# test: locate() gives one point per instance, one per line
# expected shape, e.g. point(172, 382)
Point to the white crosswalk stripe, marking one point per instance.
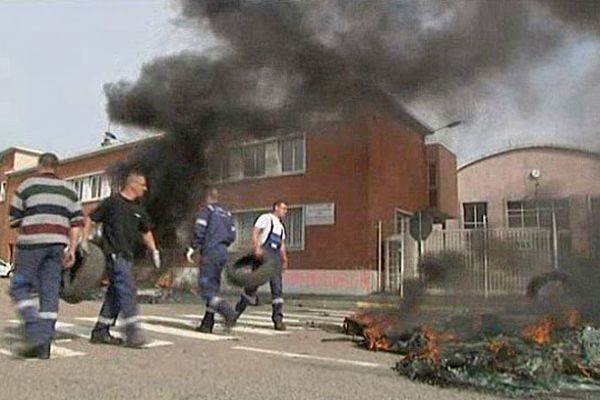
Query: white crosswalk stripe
point(168, 330)
point(298, 317)
point(253, 322)
point(55, 352)
point(218, 328)
point(85, 333)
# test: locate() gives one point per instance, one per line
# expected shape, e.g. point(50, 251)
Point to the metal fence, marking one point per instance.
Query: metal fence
point(484, 262)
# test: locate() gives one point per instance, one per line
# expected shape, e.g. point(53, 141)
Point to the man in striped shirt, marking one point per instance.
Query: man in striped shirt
point(48, 215)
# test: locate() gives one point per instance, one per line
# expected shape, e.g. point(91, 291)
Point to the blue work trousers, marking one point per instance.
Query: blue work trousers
point(209, 280)
point(120, 296)
point(38, 269)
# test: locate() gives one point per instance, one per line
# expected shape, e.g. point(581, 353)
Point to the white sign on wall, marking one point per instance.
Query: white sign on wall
point(320, 214)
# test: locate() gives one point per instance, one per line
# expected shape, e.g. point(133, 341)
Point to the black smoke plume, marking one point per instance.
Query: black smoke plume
point(287, 65)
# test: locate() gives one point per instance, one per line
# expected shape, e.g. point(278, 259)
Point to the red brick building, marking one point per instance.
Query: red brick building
point(341, 183)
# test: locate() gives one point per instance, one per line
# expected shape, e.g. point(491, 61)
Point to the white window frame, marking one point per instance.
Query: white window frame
point(292, 138)
point(290, 248)
point(252, 147)
point(475, 224)
point(3, 187)
point(521, 211)
point(83, 186)
point(238, 176)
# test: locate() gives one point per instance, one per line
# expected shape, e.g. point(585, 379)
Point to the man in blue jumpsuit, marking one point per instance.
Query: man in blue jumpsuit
point(214, 232)
point(268, 238)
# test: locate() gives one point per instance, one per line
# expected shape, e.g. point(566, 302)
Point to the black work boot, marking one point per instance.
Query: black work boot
point(207, 324)
point(134, 338)
point(279, 326)
point(27, 350)
point(44, 351)
point(104, 337)
point(229, 320)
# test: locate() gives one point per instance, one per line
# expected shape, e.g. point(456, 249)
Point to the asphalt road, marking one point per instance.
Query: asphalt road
point(252, 362)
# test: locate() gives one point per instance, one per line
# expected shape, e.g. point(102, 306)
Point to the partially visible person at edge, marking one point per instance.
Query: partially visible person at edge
point(123, 220)
point(268, 239)
point(214, 232)
point(48, 214)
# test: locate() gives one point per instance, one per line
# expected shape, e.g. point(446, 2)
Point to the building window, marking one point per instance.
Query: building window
point(475, 215)
point(270, 157)
point(538, 213)
point(3, 190)
point(219, 167)
point(291, 152)
point(254, 160)
point(78, 186)
point(92, 188)
point(432, 184)
point(293, 222)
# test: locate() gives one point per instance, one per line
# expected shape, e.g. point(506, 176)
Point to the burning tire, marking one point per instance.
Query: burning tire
point(248, 272)
point(548, 281)
point(84, 277)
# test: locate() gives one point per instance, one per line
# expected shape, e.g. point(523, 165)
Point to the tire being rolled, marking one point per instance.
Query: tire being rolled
point(248, 272)
point(85, 276)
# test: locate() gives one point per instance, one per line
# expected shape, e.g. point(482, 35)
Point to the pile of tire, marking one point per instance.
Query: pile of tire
point(80, 281)
point(250, 272)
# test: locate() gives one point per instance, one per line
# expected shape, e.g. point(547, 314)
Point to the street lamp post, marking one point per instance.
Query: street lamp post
point(451, 125)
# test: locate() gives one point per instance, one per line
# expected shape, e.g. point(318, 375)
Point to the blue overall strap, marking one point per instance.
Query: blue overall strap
point(201, 226)
point(270, 242)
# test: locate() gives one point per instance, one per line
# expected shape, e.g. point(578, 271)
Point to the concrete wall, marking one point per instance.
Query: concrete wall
point(24, 160)
point(565, 173)
point(446, 174)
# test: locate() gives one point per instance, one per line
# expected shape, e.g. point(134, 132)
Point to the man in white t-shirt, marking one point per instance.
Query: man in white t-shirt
point(268, 238)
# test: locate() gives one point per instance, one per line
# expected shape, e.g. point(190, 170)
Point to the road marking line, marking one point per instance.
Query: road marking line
point(243, 329)
point(286, 354)
point(265, 318)
point(341, 313)
point(85, 333)
point(6, 352)
point(367, 305)
point(176, 331)
point(305, 317)
point(61, 352)
point(250, 323)
point(55, 352)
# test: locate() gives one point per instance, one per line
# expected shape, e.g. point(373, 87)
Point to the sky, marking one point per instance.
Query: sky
point(55, 57)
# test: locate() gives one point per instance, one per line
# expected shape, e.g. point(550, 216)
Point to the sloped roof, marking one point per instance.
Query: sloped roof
point(538, 146)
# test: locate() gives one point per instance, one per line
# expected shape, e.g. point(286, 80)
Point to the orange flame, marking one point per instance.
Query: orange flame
point(496, 345)
point(375, 327)
point(540, 333)
point(573, 318)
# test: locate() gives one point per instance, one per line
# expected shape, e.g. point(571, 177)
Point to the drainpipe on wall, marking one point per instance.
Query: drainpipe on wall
point(379, 258)
point(554, 240)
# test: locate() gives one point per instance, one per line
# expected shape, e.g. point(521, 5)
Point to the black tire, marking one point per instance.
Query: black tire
point(537, 283)
point(248, 272)
point(85, 276)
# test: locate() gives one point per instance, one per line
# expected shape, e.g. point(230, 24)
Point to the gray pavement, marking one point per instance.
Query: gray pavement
point(251, 362)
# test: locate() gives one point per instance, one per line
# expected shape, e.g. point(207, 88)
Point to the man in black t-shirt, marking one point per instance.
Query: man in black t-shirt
point(123, 220)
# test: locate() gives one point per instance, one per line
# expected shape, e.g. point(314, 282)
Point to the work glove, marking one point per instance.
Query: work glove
point(189, 254)
point(84, 247)
point(156, 259)
point(68, 258)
